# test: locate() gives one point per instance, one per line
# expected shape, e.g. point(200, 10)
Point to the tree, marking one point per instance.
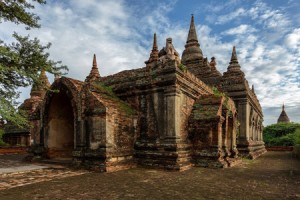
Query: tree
point(21, 61)
point(282, 134)
point(297, 142)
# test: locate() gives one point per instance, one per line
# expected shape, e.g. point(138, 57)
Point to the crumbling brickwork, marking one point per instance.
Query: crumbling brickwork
point(234, 84)
point(171, 114)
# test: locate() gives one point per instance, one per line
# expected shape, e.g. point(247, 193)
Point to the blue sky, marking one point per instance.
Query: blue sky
point(265, 33)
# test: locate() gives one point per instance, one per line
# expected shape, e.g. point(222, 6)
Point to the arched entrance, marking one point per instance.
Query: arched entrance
point(60, 126)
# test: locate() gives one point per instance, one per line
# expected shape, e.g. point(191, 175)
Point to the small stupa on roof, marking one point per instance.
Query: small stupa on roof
point(283, 118)
point(94, 73)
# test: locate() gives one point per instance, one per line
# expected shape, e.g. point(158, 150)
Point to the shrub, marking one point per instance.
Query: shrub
point(297, 138)
point(286, 140)
point(280, 134)
point(182, 67)
point(2, 143)
point(278, 130)
point(297, 143)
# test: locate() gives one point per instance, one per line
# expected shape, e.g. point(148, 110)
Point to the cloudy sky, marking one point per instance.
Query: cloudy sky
point(265, 33)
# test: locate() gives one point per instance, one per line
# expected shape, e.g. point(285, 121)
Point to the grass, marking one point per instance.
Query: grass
point(182, 67)
point(108, 92)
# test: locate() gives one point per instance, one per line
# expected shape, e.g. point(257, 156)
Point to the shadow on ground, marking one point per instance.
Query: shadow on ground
point(275, 175)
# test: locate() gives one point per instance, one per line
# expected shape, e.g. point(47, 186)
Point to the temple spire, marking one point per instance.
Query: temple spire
point(233, 56)
point(154, 52)
point(44, 78)
point(192, 36)
point(192, 50)
point(39, 89)
point(234, 63)
point(94, 74)
point(283, 118)
point(154, 47)
point(95, 62)
point(213, 64)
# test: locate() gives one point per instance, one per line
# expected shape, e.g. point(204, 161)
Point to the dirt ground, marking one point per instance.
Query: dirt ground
point(275, 175)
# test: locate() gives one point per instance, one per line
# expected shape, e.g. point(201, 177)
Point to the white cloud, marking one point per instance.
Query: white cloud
point(268, 53)
point(233, 15)
point(292, 40)
point(241, 29)
point(269, 66)
point(261, 13)
point(265, 55)
point(110, 29)
point(268, 17)
point(91, 27)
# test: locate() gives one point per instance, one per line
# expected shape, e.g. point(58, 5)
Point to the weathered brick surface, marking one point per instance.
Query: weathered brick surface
point(17, 179)
point(13, 150)
point(234, 83)
point(165, 115)
point(279, 148)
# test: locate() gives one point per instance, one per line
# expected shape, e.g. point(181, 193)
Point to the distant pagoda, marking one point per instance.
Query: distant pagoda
point(283, 118)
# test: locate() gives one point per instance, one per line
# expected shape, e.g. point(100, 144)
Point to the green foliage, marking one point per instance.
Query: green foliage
point(127, 109)
point(182, 67)
point(21, 61)
point(297, 139)
point(105, 89)
point(286, 140)
point(9, 113)
point(282, 134)
point(281, 129)
point(217, 92)
point(153, 75)
point(17, 11)
point(108, 92)
point(2, 143)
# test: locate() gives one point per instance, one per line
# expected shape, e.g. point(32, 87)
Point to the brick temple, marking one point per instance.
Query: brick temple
point(283, 117)
point(174, 113)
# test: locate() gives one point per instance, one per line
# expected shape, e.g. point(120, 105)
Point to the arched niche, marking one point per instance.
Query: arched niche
point(60, 125)
point(59, 117)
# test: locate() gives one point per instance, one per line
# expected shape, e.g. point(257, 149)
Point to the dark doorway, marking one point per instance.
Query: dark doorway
point(60, 126)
